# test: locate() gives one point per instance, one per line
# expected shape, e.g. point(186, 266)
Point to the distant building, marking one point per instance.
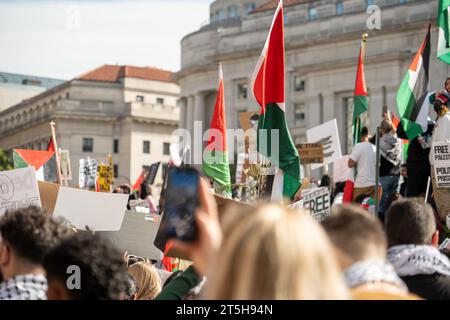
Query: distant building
point(322, 39)
point(129, 112)
point(14, 88)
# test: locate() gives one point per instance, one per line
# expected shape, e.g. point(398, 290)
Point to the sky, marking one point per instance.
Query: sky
point(63, 39)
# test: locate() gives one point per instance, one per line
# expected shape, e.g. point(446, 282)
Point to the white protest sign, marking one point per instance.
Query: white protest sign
point(326, 134)
point(88, 173)
point(99, 211)
point(18, 189)
point(440, 152)
point(317, 201)
point(66, 171)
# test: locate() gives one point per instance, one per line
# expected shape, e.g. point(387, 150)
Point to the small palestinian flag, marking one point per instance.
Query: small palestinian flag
point(360, 96)
point(413, 94)
point(443, 49)
point(43, 161)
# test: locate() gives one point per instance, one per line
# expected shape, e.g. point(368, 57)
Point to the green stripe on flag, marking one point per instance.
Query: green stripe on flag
point(443, 51)
point(19, 162)
point(216, 166)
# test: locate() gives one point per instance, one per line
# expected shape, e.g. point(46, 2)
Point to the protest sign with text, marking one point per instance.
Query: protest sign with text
point(440, 153)
point(317, 201)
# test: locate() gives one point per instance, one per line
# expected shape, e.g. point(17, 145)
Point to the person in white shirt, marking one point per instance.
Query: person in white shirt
point(363, 158)
point(441, 133)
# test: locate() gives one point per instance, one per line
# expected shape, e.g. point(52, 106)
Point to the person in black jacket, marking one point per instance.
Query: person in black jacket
point(413, 240)
point(418, 160)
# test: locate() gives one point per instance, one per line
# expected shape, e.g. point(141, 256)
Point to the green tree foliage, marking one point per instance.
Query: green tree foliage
point(5, 161)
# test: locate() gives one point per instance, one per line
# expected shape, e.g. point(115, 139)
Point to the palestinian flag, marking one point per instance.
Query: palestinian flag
point(443, 49)
point(268, 90)
point(43, 161)
point(360, 96)
point(215, 157)
point(51, 146)
point(413, 95)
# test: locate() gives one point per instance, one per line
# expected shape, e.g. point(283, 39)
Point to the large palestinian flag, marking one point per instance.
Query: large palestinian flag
point(43, 161)
point(360, 96)
point(413, 95)
point(215, 157)
point(443, 49)
point(268, 90)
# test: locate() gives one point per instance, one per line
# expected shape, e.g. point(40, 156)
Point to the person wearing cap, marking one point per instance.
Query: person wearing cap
point(441, 133)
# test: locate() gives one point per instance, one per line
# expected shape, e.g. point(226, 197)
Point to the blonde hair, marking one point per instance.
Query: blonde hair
point(148, 282)
point(274, 253)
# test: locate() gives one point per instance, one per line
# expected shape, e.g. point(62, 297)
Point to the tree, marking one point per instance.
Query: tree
point(5, 161)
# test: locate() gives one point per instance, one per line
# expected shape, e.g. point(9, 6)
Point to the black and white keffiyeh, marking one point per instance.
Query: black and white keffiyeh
point(390, 148)
point(411, 260)
point(372, 271)
point(24, 287)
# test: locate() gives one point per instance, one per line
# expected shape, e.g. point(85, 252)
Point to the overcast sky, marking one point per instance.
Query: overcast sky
point(46, 37)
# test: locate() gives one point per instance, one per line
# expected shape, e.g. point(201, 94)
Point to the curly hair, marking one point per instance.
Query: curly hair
point(30, 232)
point(103, 272)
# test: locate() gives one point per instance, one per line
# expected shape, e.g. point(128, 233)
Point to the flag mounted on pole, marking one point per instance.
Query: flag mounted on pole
point(360, 96)
point(413, 94)
point(443, 49)
point(268, 90)
point(215, 157)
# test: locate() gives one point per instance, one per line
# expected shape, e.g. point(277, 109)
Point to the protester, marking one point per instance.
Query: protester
point(338, 196)
point(363, 158)
point(269, 252)
point(404, 184)
point(361, 247)
point(147, 279)
point(25, 235)
point(413, 241)
point(181, 285)
point(99, 272)
point(147, 194)
point(390, 157)
point(441, 133)
point(418, 160)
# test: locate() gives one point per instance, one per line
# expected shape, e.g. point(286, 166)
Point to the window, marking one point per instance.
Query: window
point(88, 144)
point(340, 8)
point(220, 15)
point(233, 12)
point(146, 147)
point(67, 95)
point(166, 149)
point(299, 84)
point(299, 114)
point(160, 100)
point(369, 3)
point(249, 7)
point(116, 171)
point(242, 91)
point(140, 98)
point(116, 146)
point(312, 14)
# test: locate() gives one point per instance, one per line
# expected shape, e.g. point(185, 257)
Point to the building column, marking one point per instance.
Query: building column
point(190, 114)
point(183, 114)
point(199, 127)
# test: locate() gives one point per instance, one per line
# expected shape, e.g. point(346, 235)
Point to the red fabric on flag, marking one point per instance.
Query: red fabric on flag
point(51, 146)
point(137, 184)
point(360, 87)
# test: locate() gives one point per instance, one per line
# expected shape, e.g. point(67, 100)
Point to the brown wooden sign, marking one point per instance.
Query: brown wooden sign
point(310, 153)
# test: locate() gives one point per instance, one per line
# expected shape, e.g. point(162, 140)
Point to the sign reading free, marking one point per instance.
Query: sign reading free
point(441, 157)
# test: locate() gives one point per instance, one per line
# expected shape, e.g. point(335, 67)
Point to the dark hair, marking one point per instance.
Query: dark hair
point(339, 187)
point(171, 277)
point(355, 232)
point(30, 232)
point(359, 199)
point(103, 273)
point(404, 165)
point(130, 288)
point(325, 181)
point(445, 83)
point(438, 106)
point(392, 198)
point(364, 131)
point(410, 221)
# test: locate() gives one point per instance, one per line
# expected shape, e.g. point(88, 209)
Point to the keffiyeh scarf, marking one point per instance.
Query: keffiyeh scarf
point(24, 287)
point(390, 148)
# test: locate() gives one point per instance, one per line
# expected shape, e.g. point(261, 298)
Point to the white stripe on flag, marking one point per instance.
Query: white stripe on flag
point(277, 187)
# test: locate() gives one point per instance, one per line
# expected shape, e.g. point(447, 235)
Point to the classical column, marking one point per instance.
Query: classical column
point(199, 127)
point(183, 114)
point(190, 114)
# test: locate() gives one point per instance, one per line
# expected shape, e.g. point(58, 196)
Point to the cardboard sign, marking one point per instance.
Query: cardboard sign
point(88, 173)
point(310, 153)
point(98, 211)
point(136, 235)
point(152, 172)
point(18, 189)
point(66, 171)
point(105, 179)
point(326, 134)
point(440, 153)
point(317, 201)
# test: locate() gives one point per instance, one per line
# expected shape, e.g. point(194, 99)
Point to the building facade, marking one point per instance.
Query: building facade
point(322, 39)
point(14, 88)
point(128, 112)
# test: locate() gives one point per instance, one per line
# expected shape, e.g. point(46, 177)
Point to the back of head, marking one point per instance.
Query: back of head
point(364, 132)
point(356, 234)
point(274, 253)
point(410, 221)
point(385, 127)
point(101, 266)
point(30, 233)
point(147, 280)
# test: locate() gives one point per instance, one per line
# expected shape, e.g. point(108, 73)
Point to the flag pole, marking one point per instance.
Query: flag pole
point(377, 173)
point(58, 163)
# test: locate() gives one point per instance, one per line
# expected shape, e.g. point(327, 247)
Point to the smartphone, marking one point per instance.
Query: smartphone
point(180, 202)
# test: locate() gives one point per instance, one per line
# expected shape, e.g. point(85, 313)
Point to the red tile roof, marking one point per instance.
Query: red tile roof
point(273, 4)
point(113, 73)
